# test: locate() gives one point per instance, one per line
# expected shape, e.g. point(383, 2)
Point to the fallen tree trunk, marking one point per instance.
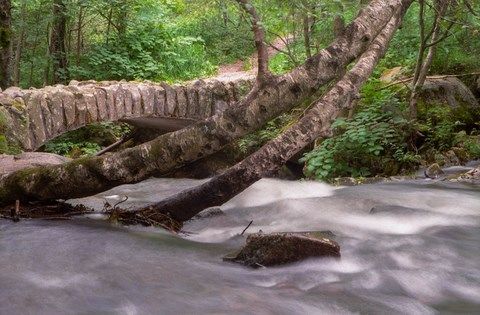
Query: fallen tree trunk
point(88, 176)
point(267, 160)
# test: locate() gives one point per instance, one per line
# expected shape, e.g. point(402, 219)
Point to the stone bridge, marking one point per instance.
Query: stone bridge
point(29, 118)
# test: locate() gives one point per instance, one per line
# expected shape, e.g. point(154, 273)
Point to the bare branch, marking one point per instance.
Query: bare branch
point(288, 52)
point(433, 77)
point(446, 34)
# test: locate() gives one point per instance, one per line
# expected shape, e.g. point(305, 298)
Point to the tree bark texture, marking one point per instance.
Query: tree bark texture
point(268, 159)
point(58, 51)
point(6, 38)
point(19, 45)
point(88, 176)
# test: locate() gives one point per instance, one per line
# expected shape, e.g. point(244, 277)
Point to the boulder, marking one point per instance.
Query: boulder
point(12, 163)
point(450, 91)
point(433, 171)
point(263, 250)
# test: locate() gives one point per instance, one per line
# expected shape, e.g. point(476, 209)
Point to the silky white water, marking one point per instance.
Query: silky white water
point(407, 248)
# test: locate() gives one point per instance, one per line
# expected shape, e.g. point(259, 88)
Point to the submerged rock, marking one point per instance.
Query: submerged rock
point(209, 213)
point(434, 171)
point(472, 176)
point(283, 248)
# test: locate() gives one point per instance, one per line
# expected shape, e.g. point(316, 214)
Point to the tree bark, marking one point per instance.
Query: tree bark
point(58, 51)
point(267, 160)
point(424, 62)
point(92, 175)
point(306, 34)
point(263, 73)
point(6, 35)
point(79, 43)
point(19, 45)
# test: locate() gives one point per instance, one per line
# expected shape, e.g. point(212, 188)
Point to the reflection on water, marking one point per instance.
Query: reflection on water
point(407, 248)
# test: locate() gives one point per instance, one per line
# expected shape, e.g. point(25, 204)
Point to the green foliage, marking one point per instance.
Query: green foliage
point(273, 128)
point(86, 141)
point(6, 147)
point(147, 51)
point(72, 149)
point(445, 127)
point(438, 125)
point(372, 143)
point(226, 37)
point(471, 143)
point(282, 63)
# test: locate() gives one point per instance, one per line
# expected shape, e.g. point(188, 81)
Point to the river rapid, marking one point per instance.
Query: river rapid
point(410, 247)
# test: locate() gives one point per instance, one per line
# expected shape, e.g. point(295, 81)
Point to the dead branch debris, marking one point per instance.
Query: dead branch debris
point(129, 217)
point(52, 210)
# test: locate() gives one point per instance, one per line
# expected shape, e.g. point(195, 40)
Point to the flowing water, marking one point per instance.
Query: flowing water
point(407, 248)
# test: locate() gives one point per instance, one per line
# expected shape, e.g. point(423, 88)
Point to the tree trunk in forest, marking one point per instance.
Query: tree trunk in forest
point(19, 45)
point(267, 160)
point(6, 35)
point(32, 60)
point(58, 51)
point(109, 25)
point(78, 47)
point(92, 175)
point(306, 34)
point(48, 64)
point(428, 43)
point(122, 18)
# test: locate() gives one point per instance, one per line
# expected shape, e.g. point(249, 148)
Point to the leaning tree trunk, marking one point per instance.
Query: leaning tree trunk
point(88, 176)
point(266, 161)
point(5, 43)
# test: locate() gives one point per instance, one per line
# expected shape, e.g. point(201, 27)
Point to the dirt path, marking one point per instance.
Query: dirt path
point(237, 69)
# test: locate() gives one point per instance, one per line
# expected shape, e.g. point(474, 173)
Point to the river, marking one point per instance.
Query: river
point(409, 247)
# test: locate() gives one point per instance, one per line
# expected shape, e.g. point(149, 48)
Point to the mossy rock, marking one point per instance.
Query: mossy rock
point(434, 171)
point(12, 163)
point(449, 91)
point(6, 147)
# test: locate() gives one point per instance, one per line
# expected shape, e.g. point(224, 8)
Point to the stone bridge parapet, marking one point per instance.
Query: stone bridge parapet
point(29, 118)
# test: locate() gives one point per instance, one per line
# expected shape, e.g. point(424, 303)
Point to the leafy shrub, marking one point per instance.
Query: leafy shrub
point(471, 143)
point(148, 51)
point(444, 126)
point(373, 142)
point(72, 149)
point(86, 141)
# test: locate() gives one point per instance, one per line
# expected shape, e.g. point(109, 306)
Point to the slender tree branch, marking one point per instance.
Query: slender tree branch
point(259, 38)
point(446, 34)
point(433, 77)
point(288, 52)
